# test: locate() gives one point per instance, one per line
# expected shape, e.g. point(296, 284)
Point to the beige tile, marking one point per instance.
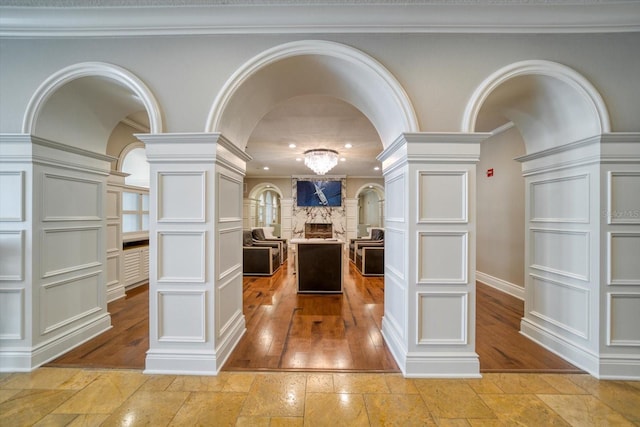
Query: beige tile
point(522, 384)
point(88, 420)
point(522, 409)
point(157, 382)
point(55, 420)
point(287, 422)
point(152, 408)
point(484, 385)
point(490, 423)
point(360, 383)
point(584, 410)
point(397, 410)
point(42, 378)
point(619, 395)
point(103, 395)
point(237, 382)
point(563, 384)
point(253, 422)
point(320, 383)
point(635, 384)
point(399, 385)
point(452, 399)
point(331, 409)
point(196, 383)
point(80, 380)
point(29, 406)
point(210, 408)
point(453, 422)
point(280, 395)
point(7, 394)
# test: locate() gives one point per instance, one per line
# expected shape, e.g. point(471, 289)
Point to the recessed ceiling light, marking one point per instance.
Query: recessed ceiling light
point(292, 145)
point(377, 168)
point(266, 168)
point(343, 159)
point(348, 145)
point(298, 159)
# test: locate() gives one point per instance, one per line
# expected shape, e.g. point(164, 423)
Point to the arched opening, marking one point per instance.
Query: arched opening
point(265, 209)
point(534, 110)
point(313, 86)
point(86, 113)
point(370, 208)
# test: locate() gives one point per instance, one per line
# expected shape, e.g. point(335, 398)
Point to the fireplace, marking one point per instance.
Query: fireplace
point(318, 231)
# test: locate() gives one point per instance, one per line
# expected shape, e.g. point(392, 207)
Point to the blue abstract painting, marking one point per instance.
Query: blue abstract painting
point(319, 193)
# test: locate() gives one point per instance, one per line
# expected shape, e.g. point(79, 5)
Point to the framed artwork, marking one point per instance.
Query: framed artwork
point(319, 193)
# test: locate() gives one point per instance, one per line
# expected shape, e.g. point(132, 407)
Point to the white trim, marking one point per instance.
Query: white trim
point(501, 285)
point(539, 68)
point(428, 16)
point(610, 340)
point(609, 260)
point(89, 69)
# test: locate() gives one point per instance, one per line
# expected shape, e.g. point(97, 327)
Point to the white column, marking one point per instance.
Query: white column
point(286, 212)
point(195, 236)
point(582, 288)
point(53, 249)
point(429, 319)
point(352, 218)
point(115, 276)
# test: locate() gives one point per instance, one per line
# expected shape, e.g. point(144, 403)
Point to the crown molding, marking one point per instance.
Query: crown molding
point(479, 16)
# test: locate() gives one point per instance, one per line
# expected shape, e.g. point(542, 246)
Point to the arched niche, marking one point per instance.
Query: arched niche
point(80, 105)
point(370, 216)
point(305, 68)
point(549, 103)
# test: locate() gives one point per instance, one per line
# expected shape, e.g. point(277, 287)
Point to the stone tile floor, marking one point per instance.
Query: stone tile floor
point(92, 397)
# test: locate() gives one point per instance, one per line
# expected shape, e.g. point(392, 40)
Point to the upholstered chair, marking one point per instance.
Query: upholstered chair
point(258, 236)
point(377, 239)
point(368, 254)
point(258, 259)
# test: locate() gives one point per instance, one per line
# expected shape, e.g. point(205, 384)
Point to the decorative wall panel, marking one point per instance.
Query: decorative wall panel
point(12, 196)
point(395, 300)
point(66, 198)
point(624, 317)
point(442, 257)
point(566, 306)
point(113, 269)
point(229, 303)
point(11, 314)
point(66, 301)
point(442, 196)
point(624, 195)
point(435, 306)
point(181, 316)
point(395, 261)
point(561, 252)
point(113, 238)
point(11, 255)
point(229, 197)
point(229, 260)
point(181, 196)
point(181, 256)
point(560, 200)
point(395, 189)
point(82, 247)
point(623, 253)
point(113, 205)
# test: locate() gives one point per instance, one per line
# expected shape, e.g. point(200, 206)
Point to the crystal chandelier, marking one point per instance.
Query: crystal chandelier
point(320, 160)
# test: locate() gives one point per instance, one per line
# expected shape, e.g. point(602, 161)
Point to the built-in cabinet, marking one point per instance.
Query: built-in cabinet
point(136, 262)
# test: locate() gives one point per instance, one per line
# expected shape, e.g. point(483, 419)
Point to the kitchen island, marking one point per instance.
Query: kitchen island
point(318, 265)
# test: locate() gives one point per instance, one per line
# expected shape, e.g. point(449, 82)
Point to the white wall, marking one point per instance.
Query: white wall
point(501, 230)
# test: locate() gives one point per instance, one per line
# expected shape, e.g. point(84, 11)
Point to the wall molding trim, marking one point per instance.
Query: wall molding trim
point(501, 285)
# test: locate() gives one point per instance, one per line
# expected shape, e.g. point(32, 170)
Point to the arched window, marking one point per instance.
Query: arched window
point(136, 165)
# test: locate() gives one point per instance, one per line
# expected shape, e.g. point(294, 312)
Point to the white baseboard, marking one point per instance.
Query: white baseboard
point(114, 293)
point(26, 360)
point(501, 285)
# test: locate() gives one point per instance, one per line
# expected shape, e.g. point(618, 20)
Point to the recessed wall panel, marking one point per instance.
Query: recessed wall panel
point(11, 314)
point(229, 250)
point(624, 318)
point(12, 196)
point(442, 318)
point(181, 196)
point(442, 257)
point(561, 304)
point(82, 248)
point(395, 261)
point(622, 258)
point(560, 200)
point(624, 198)
point(561, 252)
point(11, 255)
point(181, 256)
point(70, 199)
point(394, 302)
point(113, 269)
point(113, 238)
point(181, 316)
point(229, 303)
point(229, 198)
point(64, 302)
point(395, 189)
point(113, 204)
point(442, 196)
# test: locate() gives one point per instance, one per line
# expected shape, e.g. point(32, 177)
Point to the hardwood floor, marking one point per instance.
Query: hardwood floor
point(304, 332)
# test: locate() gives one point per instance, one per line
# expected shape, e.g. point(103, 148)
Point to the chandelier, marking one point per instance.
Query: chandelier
point(320, 160)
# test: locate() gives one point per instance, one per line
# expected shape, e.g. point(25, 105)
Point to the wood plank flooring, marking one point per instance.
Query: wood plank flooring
point(288, 331)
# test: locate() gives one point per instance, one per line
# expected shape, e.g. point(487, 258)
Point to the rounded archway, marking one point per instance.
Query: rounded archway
point(549, 103)
point(311, 67)
point(370, 206)
point(94, 97)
